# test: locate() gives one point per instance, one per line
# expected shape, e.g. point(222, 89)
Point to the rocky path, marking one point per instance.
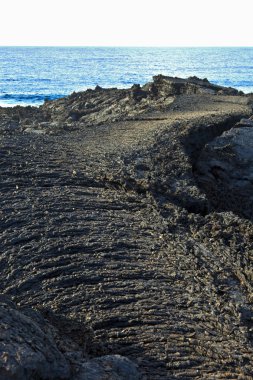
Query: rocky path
point(84, 234)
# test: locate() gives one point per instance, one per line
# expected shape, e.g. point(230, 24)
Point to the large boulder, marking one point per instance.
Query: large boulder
point(27, 346)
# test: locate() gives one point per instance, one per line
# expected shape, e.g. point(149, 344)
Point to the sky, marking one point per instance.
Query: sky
point(126, 23)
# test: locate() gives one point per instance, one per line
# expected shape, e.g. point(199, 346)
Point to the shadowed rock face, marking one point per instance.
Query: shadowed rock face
point(225, 169)
point(107, 227)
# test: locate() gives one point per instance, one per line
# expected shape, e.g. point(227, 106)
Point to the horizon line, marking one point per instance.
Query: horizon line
point(133, 46)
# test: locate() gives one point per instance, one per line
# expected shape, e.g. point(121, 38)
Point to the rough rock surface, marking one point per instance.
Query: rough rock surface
point(105, 223)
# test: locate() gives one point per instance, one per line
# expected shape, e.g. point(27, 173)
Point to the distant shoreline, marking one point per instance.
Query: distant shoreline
point(51, 72)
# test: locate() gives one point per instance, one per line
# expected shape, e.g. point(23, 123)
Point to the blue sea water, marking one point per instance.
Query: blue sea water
point(29, 75)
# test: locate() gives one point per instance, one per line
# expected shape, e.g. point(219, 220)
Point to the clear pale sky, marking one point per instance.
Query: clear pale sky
point(126, 22)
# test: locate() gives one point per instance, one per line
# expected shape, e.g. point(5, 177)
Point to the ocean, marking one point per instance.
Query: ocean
point(29, 75)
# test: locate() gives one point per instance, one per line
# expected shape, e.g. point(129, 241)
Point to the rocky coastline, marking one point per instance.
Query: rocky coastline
point(126, 240)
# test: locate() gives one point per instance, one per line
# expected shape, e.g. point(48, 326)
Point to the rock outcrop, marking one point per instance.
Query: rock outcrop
point(123, 242)
point(169, 86)
point(94, 107)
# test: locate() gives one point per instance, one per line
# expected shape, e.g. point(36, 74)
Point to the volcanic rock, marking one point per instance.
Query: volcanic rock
point(126, 227)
